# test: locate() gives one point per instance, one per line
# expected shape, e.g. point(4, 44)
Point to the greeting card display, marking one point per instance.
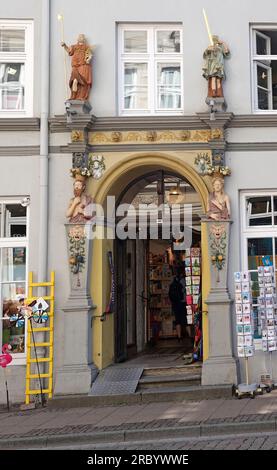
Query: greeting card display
point(244, 314)
point(192, 265)
point(267, 307)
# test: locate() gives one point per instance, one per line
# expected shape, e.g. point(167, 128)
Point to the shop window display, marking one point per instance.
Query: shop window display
point(13, 249)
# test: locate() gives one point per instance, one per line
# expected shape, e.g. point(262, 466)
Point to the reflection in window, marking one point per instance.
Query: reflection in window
point(12, 86)
point(259, 211)
point(135, 86)
point(169, 86)
point(168, 41)
point(135, 41)
point(257, 248)
point(12, 220)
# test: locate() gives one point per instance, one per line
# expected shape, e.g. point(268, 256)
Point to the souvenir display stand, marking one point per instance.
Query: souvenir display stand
point(268, 318)
point(245, 330)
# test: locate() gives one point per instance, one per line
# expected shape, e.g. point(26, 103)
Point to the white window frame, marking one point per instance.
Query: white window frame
point(261, 60)
point(262, 231)
point(27, 58)
point(152, 58)
point(14, 242)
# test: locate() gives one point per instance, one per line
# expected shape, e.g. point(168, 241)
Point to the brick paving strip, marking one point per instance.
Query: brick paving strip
point(128, 432)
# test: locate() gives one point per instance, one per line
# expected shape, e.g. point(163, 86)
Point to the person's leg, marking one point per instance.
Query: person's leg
point(179, 331)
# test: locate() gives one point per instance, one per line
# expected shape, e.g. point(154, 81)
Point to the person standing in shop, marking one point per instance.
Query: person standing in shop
point(178, 302)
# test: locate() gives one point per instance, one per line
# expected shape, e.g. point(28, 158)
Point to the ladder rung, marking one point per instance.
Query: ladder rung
point(35, 392)
point(39, 345)
point(36, 376)
point(41, 284)
point(40, 359)
point(47, 328)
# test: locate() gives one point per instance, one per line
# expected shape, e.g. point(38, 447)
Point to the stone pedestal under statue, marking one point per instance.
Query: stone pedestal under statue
point(78, 371)
point(216, 104)
point(221, 366)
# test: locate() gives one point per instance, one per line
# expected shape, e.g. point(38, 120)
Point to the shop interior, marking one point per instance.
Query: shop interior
point(145, 268)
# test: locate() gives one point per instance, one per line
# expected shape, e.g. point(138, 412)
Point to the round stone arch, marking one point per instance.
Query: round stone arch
point(114, 179)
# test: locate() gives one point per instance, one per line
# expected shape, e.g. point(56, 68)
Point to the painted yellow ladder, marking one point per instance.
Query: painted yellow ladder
point(48, 345)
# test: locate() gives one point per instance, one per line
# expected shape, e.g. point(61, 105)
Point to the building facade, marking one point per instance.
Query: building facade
point(150, 119)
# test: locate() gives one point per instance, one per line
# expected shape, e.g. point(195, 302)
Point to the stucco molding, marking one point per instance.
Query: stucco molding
point(19, 124)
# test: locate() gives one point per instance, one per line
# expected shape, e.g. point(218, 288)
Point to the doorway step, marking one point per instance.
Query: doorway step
point(156, 378)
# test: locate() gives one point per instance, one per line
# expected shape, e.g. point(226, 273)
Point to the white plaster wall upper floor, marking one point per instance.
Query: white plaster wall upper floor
point(98, 19)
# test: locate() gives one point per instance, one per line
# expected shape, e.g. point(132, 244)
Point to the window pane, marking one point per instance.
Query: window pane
point(12, 40)
point(261, 44)
point(262, 76)
point(12, 220)
point(13, 264)
point(168, 41)
point(13, 333)
point(135, 86)
point(135, 41)
point(169, 86)
point(12, 82)
point(258, 211)
point(257, 248)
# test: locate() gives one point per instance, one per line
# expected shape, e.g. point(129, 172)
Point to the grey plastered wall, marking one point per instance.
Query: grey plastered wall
point(98, 20)
point(250, 171)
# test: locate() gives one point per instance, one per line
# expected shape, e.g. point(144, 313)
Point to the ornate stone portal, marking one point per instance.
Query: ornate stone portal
point(221, 366)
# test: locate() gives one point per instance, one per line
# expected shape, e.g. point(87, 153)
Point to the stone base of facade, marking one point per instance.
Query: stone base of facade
point(219, 371)
point(75, 379)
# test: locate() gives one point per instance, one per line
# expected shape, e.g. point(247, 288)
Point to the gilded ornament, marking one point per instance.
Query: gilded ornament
point(77, 136)
point(116, 136)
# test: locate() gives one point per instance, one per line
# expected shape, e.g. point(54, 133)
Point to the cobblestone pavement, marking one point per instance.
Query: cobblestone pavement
point(261, 441)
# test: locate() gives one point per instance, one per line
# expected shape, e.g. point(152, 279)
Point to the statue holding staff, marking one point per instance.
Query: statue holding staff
point(81, 75)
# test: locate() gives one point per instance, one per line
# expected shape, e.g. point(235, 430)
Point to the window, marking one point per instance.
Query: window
point(259, 224)
point(13, 273)
point(16, 68)
point(150, 69)
point(264, 68)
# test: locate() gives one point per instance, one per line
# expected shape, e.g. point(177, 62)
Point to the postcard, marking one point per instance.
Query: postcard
point(240, 329)
point(245, 287)
point(195, 290)
point(241, 351)
point(196, 271)
point(195, 252)
point(272, 345)
point(269, 313)
point(187, 262)
point(195, 262)
point(248, 351)
point(196, 280)
point(188, 271)
point(246, 308)
point(239, 319)
point(238, 308)
point(264, 334)
point(247, 330)
point(246, 276)
point(188, 281)
point(195, 299)
point(246, 318)
point(270, 333)
point(264, 346)
point(260, 270)
point(270, 322)
point(237, 277)
point(246, 297)
point(238, 298)
point(238, 286)
point(240, 341)
point(188, 290)
point(248, 340)
point(189, 310)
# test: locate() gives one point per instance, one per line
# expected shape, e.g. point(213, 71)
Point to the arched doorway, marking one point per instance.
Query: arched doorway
point(147, 259)
point(129, 172)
